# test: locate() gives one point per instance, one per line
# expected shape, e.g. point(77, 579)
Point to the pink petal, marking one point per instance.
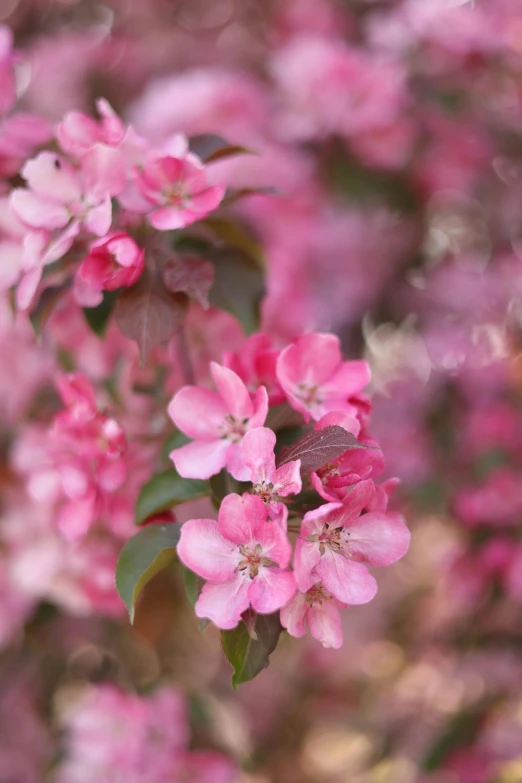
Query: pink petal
point(37, 211)
point(260, 408)
point(99, 218)
point(232, 391)
point(206, 200)
point(10, 263)
point(278, 513)
point(350, 582)
point(348, 379)
point(314, 521)
point(271, 589)
point(201, 459)
point(203, 549)
point(224, 602)
point(168, 219)
point(77, 133)
point(27, 288)
point(52, 177)
point(239, 517)
point(257, 449)
point(60, 244)
point(323, 490)
point(324, 621)
point(312, 359)
point(105, 171)
point(307, 556)
point(84, 293)
point(273, 539)
point(357, 499)
point(293, 615)
point(199, 413)
point(235, 465)
point(287, 479)
point(378, 539)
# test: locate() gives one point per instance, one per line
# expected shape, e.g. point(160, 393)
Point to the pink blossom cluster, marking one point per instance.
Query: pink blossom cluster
point(109, 733)
point(79, 204)
point(245, 555)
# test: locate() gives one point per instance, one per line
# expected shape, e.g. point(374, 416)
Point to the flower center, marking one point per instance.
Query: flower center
point(253, 560)
point(308, 393)
point(332, 538)
point(234, 429)
point(317, 594)
point(264, 490)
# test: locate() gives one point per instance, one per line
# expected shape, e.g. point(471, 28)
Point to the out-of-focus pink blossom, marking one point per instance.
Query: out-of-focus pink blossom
point(242, 556)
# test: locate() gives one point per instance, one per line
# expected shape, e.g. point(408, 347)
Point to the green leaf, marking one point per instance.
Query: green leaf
point(192, 584)
point(165, 490)
point(143, 556)
point(249, 646)
point(211, 147)
point(175, 440)
point(98, 317)
point(239, 287)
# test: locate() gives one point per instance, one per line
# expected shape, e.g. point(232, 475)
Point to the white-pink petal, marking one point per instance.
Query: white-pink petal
point(271, 589)
point(205, 551)
point(378, 538)
point(349, 582)
point(224, 602)
point(200, 459)
point(199, 413)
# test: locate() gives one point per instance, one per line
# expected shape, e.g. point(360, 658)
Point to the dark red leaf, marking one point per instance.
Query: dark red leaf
point(318, 447)
point(210, 147)
point(191, 276)
point(149, 313)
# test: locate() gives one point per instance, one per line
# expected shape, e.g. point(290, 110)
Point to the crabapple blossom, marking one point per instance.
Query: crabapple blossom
point(336, 540)
point(115, 261)
point(78, 133)
point(174, 191)
point(217, 422)
point(270, 483)
point(316, 380)
point(242, 556)
point(318, 610)
point(7, 76)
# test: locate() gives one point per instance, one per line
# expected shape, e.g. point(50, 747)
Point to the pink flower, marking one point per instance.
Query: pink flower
point(242, 556)
point(317, 609)
point(175, 191)
point(270, 483)
point(315, 378)
point(114, 262)
point(78, 133)
point(336, 539)
point(335, 479)
point(59, 194)
point(218, 422)
point(255, 363)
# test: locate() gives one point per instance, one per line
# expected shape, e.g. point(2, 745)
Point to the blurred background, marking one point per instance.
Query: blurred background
point(392, 132)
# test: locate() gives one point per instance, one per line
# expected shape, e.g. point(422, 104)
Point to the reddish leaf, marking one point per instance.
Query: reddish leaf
point(149, 313)
point(318, 447)
point(210, 147)
point(190, 276)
